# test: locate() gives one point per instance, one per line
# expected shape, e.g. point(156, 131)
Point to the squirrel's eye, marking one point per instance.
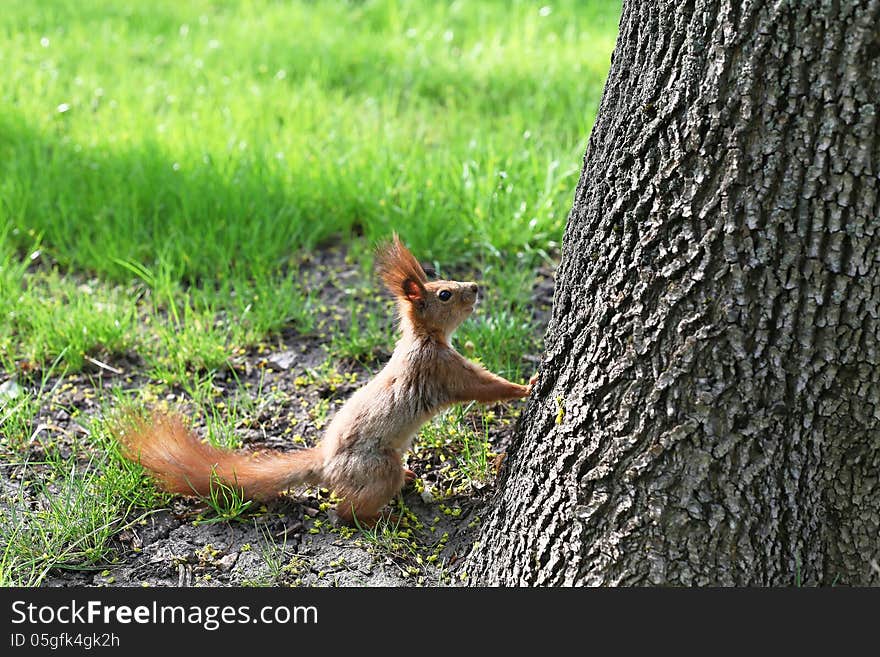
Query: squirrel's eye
point(445, 295)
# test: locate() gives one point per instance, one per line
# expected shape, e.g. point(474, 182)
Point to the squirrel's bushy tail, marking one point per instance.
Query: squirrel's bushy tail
point(185, 465)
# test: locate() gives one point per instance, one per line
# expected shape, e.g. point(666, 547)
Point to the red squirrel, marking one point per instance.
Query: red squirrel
point(360, 454)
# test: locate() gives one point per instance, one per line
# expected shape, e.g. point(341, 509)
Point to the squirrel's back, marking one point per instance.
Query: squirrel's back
point(387, 412)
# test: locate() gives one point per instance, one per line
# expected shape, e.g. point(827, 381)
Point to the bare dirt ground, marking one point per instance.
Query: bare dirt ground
point(293, 541)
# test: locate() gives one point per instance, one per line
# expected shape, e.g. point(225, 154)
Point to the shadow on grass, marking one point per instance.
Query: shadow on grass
point(94, 207)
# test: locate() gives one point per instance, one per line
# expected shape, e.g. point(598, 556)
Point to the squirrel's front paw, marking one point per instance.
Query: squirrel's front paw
point(530, 384)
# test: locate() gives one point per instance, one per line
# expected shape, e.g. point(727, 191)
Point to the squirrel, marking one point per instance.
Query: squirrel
point(360, 454)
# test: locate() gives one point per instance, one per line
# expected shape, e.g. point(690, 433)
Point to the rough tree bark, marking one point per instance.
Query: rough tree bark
point(708, 407)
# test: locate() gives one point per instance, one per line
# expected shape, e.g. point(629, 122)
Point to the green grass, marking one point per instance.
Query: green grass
point(362, 334)
point(226, 502)
point(188, 133)
point(71, 514)
point(210, 143)
point(462, 448)
point(165, 168)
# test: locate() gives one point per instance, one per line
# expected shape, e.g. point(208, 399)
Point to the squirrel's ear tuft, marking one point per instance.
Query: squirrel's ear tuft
point(400, 271)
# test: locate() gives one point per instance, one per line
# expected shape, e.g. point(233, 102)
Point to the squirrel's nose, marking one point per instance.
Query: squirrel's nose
point(475, 288)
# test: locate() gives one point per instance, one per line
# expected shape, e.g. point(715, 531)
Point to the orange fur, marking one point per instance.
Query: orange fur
point(360, 454)
point(396, 265)
point(185, 465)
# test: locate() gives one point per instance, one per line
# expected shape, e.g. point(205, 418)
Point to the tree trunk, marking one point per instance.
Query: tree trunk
point(708, 407)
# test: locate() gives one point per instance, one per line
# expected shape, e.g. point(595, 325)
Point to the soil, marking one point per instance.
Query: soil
point(294, 541)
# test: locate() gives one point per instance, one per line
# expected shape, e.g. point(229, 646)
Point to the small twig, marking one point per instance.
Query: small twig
point(40, 429)
point(103, 366)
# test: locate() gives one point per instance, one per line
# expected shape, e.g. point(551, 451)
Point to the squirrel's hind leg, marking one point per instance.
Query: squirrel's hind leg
point(364, 495)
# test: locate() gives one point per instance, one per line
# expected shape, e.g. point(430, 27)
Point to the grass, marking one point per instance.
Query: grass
point(414, 547)
point(363, 334)
point(206, 145)
point(70, 514)
point(226, 502)
point(167, 168)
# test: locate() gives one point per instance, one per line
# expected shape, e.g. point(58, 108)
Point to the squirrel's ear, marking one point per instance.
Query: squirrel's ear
point(413, 290)
point(401, 272)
